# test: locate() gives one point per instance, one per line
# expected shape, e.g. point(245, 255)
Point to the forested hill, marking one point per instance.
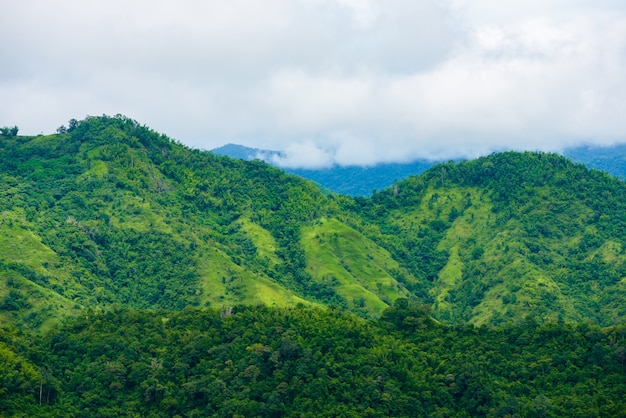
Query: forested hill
point(139, 277)
point(110, 212)
point(509, 235)
point(299, 362)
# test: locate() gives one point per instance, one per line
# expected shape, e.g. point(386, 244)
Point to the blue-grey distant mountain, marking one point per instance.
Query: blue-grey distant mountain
point(351, 180)
point(361, 181)
point(611, 159)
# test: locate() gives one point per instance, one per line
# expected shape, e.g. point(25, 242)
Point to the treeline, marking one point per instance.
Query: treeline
point(257, 361)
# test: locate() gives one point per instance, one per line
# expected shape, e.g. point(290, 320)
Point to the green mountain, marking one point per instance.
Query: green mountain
point(111, 213)
point(139, 277)
point(510, 235)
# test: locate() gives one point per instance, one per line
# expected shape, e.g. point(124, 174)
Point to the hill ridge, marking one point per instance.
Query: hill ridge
point(132, 217)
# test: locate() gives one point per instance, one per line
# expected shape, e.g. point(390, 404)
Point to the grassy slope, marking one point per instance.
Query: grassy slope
point(352, 264)
point(224, 283)
point(29, 270)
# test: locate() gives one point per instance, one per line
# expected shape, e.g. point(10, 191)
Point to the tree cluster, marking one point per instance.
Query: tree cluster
point(256, 361)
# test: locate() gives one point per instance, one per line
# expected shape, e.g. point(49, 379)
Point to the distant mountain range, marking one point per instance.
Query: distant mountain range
point(357, 180)
point(350, 180)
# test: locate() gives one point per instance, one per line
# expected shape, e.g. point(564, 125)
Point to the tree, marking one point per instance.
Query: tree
point(9, 132)
point(72, 124)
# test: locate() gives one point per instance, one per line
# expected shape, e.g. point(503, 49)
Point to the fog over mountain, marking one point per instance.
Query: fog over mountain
point(355, 180)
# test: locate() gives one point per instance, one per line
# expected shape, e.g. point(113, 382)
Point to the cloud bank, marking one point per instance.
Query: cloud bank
point(325, 81)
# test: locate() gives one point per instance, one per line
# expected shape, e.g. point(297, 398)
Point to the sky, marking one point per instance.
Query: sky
point(325, 81)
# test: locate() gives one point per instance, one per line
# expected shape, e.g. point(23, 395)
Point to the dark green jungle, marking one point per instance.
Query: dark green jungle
point(143, 278)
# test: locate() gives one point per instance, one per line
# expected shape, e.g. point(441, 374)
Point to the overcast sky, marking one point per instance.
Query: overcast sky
point(326, 81)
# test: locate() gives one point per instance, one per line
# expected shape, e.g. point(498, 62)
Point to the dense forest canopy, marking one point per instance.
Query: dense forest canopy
point(258, 361)
point(151, 278)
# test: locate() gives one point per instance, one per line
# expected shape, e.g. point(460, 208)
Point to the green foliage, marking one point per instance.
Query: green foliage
point(111, 234)
point(508, 235)
point(257, 361)
point(9, 132)
point(20, 378)
point(110, 212)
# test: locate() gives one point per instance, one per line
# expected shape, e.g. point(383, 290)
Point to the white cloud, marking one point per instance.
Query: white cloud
point(305, 154)
point(326, 81)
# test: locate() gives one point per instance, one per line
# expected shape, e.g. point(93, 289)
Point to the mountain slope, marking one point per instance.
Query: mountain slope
point(511, 235)
point(114, 213)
